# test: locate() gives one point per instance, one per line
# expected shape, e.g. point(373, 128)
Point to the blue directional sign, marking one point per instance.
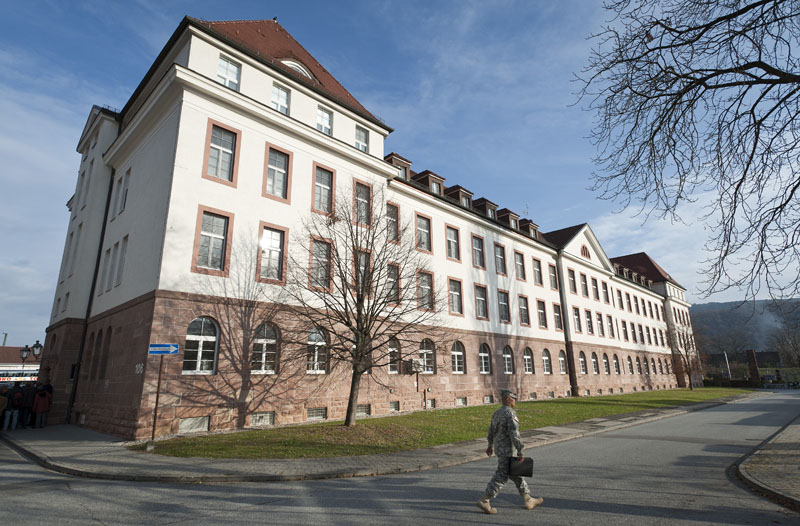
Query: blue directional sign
point(163, 348)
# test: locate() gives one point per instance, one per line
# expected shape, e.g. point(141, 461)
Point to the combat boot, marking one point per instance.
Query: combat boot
point(531, 502)
point(485, 505)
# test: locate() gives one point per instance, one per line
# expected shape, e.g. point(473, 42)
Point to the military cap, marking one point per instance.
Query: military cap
point(506, 393)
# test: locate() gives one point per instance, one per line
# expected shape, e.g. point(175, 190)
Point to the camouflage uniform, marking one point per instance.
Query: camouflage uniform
point(504, 438)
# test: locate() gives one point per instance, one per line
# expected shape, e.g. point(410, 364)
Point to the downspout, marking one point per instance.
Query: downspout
point(85, 329)
point(565, 317)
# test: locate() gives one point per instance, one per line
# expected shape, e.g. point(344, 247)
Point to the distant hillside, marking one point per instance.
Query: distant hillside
point(748, 325)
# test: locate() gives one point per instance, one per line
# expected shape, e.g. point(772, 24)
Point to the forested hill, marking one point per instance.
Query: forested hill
point(747, 325)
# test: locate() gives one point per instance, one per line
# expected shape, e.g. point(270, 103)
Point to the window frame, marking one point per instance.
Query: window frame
point(488, 359)
point(395, 241)
point(316, 361)
point(236, 153)
point(508, 360)
point(288, 174)
point(447, 229)
point(502, 253)
point(450, 280)
point(541, 313)
point(225, 271)
point(272, 102)
point(527, 310)
point(573, 281)
point(558, 317)
point(482, 251)
point(454, 362)
point(420, 304)
point(429, 250)
point(264, 353)
point(311, 279)
point(538, 277)
point(361, 146)
point(321, 126)
point(519, 262)
point(314, 167)
point(584, 285)
point(200, 338)
point(485, 288)
point(232, 62)
point(356, 213)
point(499, 306)
point(553, 273)
point(263, 225)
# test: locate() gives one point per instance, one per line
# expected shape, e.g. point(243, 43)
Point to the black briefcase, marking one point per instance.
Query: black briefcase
point(520, 469)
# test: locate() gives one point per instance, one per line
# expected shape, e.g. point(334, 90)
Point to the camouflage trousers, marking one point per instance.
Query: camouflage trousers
point(501, 476)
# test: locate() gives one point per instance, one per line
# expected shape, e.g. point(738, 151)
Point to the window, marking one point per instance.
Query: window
point(393, 285)
point(650, 309)
point(321, 264)
point(589, 324)
point(508, 361)
point(456, 303)
point(619, 299)
point(66, 302)
point(628, 301)
point(553, 278)
point(585, 252)
point(425, 290)
point(582, 362)
point(502, 306)
point(595, 366)
point(428, 356)
point(457, 358)
point(277, 174)
point(200, 348)
point(633, 333)
point(272, 254)
point(649, 340)
point(394, 406)
point(436, 187)
point(660, 367)
point(584, 286)
point(362, 272)
point(280, 99)
point(392, 222)
point(484, 359)
point(661, 337)
point(87, 186)
point(461, 401)
point(630, 365)
point(576, 317)
point(317, 413)
point(572, 286)
point(641, 334)
point(423, 233)
point(600, 329)
point(537, 272)
point(610, 326)
point(228, 73)
point(213, 241)
point(465, 201)
point(453, 245)
point(490, 213)
point(519, 262)
point(122, 252)
point(542, 314)
point(324, 120)
point(362, 139)
point(481, 307)
point(658, 315)
point(363, 195)
point(317, 352)
point(264, 358)
point(500, 259)
point(527, 360)
point(394, 357)
point(562, 362)
point(477, 252)
point(122, 196)
point(557, 317)
point(323, 190)
point(646, 367)
point(636, 304)
point(595, 290)
point(363, 410)
point(605, 292)
point(606, 365)
point(221, 153)
point(546, 362)
point(616, 364)
point(625, 331)
point(638, 366)
point(113, 268)
point(524, 316)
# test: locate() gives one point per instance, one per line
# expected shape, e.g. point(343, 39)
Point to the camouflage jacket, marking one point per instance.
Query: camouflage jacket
point(504, 433)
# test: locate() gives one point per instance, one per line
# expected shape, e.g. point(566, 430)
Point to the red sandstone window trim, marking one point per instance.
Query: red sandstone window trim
point(483, 251)
point(236, 150)
point(449, 310)
point(357, 182)
point(314, 166)
point(198, 231)
point(524, 270)
point(417, 215)
point(397, 224)
point(284, 249)
point(486, 296)
point(311, 286)
point(528, 303)
point(288, 199)
point(458, 242)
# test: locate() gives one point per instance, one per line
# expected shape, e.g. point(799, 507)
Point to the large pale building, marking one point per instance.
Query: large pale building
point(237, 132)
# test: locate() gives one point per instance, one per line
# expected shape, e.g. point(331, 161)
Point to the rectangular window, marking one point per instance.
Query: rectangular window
point(595, 290)
point(113, 268)
point(453, 244)
point(436, 187)
point(610, 326)
point(600, 330)
point(277, 174)
point(317, 413)
point(537, 272)
point(636, 304)
point(557, 317)
point(122, 196)
point(106, 265)
point(122, 252)
point(478, 259)
point(323, 190)
point(502, 306)
point(465, 201)
point(624, 331)
point(553, 277)
point(363, 204)
point(661, 337)
point(658, 316)
point(500, 259)
point(589, 324)
point(75, 245)
point(362, 139)
point(228, 73)
point(573, 288)
point(649, 340)
point(524, 316)
point(650, 309)
point(456, 302)
point(628, 301)
point(584, 286)
point(87, 185)
point(423, 233)
point(324, 120)
point(392, 222)
point(542, 314)
point(576, 318)
point(481, 307)
point(66, 302)
point(321, 264)
point(619, 300)
point(394, 406)
point(393, 285)
point(221, 154)
point(280, 99)
point(641, 335)
point(633, 333)
point(272, 254)
point(519, 262)
point(425, 290)
point(213, 237)
point(605, 292)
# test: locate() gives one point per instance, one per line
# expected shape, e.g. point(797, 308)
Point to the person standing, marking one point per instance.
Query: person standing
point(12, 410)
point(28, 395)
point(503, 439)
point(41, 406)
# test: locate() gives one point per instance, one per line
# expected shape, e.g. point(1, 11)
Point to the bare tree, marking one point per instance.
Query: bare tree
point(362, 287)
point(687, 356)
point(786, 340)
point(704, 96)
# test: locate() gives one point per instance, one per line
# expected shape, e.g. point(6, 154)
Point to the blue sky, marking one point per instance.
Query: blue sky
point(480, 92)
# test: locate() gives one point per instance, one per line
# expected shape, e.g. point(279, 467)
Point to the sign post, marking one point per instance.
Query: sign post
point(159, 349)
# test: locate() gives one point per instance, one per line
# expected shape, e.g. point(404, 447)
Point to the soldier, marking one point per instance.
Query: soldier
point(503, 438)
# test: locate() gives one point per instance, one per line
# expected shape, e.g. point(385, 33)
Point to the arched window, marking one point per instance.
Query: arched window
point(660, 367)
point(428, 355)
point(264, 358)
point(646, 367)
point(585, 252)
point(527, 358)
point(508, 360)
point(616, 364)
point(630, 365)
point(106, 351)
point(546, 362)
point(200, 350)
point(638, 366)
point(98, 346)
point(485, 359)
point(582, 362)
point(457, 357)
point(562, 362)
point(653, 365)
point(394, 356)
point(606, 366)
point(595, 365)
point(669, 368)
point(317, 352)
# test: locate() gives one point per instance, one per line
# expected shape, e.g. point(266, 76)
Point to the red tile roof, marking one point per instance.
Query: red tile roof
point(10, 354)
point(563, 236)
point(644, 265)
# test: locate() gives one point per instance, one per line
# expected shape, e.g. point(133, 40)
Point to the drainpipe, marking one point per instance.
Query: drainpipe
point(85, 329)
point(565, 321)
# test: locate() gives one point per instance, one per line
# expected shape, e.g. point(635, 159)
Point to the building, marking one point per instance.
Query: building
point(237, 129)
point(14, 369)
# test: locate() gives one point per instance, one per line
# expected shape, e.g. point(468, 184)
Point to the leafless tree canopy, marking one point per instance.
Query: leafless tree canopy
point(696, 96)
point(356, 274)
point(786, 341)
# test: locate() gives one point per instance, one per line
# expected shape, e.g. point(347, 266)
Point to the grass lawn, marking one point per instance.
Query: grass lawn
point(417, 430)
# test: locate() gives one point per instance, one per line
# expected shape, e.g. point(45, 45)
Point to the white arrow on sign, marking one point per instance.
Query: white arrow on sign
point(163, 348)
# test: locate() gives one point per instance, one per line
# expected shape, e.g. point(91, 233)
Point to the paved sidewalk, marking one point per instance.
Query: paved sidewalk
point(81, 452)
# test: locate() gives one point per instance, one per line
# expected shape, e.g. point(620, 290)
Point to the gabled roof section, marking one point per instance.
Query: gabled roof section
point(561, 237)
point(90, 120)
point(580, 242)
point(644, 265)
point(272, 44)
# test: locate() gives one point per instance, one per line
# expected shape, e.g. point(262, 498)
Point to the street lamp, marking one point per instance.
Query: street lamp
point(37, 350)
point(25, 352)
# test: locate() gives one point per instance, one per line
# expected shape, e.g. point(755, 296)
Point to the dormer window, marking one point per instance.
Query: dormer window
point(324, 120)
point(436, 188)
point(514, 224)
point(298, 67)
point(403, 173)
point(280, 99)
point(228, 73)
point(465, 201)
point(490, 213)
point(362, 139)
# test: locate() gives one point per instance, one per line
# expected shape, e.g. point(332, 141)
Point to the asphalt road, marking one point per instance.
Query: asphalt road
point(675, 471)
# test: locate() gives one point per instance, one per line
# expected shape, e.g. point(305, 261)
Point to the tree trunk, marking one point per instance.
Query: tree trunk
point(350, 419)
point(241, 402)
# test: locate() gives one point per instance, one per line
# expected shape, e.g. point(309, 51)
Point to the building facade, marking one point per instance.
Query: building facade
point(238, 133)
